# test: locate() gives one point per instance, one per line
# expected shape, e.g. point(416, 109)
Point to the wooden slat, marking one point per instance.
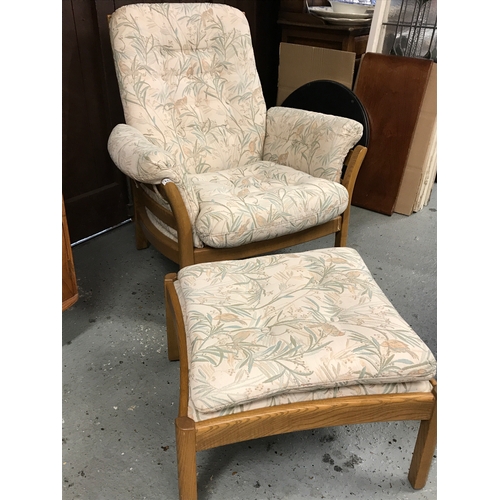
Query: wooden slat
point(208, 254)
point(151, 204)
point(316, 414)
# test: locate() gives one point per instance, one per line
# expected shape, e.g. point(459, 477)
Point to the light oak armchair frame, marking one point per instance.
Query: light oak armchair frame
point(183, 251)
point(192, 437)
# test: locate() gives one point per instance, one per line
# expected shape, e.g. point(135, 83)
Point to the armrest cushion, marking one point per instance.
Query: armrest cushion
point(138, 158)
point(312, 142)
point(144, 162)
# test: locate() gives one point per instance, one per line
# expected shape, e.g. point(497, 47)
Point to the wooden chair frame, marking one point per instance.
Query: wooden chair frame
point(192, 436)
point(183, 251)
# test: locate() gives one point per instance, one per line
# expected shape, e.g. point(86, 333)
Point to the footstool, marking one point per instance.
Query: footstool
point(291, 342)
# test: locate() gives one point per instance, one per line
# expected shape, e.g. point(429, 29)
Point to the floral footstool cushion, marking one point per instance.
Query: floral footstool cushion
point(293, 327)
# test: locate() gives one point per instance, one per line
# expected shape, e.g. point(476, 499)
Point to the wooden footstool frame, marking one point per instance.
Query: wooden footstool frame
point(192, 436)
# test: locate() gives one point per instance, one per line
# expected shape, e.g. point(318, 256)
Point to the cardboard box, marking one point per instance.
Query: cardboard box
point(429, 177)
point(301, 64)
point(420, 167)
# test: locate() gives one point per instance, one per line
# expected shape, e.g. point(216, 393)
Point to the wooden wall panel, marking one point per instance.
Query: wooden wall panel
point(95, 192)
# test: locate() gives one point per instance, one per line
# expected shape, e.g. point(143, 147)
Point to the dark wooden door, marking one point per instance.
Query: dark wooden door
point(96, 193)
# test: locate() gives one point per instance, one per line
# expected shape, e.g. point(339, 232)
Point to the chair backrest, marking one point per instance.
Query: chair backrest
point(332, 98)
point(188, 82)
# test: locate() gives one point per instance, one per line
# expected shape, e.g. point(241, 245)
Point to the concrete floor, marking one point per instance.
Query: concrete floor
point(120, 391)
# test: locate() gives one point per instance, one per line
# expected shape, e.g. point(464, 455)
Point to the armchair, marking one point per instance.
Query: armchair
point(215, 175)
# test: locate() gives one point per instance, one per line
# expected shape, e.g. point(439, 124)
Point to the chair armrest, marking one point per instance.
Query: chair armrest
point(312, 142)
point(138, 158)
point(353, 164)
point(144, 162)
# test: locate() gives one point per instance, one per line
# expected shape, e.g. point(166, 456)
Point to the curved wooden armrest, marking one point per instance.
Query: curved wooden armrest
point(181, 222)
point(353, 162)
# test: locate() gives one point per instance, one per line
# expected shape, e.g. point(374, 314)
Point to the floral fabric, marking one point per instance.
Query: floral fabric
point(195, 115)
point(273, 327)
point(314, 143)
point(260, 201)
point(142, 161)
point(188, 82)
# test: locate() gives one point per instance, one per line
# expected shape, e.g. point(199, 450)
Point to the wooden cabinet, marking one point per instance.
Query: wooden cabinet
point(298, 26)
point(349, 38)
point(69, 286)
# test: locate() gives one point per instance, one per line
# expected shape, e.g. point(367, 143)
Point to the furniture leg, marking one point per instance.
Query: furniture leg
point(140, 240)
point(172, 342)
point(186, 458)
point(341, 236)
point(424, 450)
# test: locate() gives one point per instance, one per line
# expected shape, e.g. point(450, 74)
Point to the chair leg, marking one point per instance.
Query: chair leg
point(140, 240)
point(424, 451)
point(341, 236)
point(186, 458)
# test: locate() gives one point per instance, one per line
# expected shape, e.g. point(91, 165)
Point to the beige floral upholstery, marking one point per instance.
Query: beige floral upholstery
point(262, 200)
point(195, 115)
point(294, 327)
point(314, 143)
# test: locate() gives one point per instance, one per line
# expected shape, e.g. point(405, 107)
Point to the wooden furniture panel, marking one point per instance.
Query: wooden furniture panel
point(300, 27)
point(351, 39)
point(392, 89)
point(69, 285)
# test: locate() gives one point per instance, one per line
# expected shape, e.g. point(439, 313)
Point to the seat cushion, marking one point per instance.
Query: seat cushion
point(261, 201)
point(275, 327)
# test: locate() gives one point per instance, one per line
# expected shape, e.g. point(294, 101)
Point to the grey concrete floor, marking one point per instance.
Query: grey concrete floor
point(120, 391)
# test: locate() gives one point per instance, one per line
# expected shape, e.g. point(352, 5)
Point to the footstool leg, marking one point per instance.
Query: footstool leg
point(186, 458)
point(424, 450)
point(172, 342)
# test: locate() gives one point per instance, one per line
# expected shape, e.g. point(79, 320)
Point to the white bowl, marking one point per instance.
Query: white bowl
point(350, 8)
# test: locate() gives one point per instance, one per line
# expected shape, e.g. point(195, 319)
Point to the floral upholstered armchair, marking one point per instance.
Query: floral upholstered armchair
point(215, 175)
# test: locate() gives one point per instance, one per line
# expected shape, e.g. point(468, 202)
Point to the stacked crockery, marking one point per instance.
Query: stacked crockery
point(346, 12)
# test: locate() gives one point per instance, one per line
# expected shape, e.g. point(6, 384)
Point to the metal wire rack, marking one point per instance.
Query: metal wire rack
point(411, 29)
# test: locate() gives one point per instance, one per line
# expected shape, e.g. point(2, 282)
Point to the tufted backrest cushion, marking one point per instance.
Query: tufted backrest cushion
point(188, 82)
